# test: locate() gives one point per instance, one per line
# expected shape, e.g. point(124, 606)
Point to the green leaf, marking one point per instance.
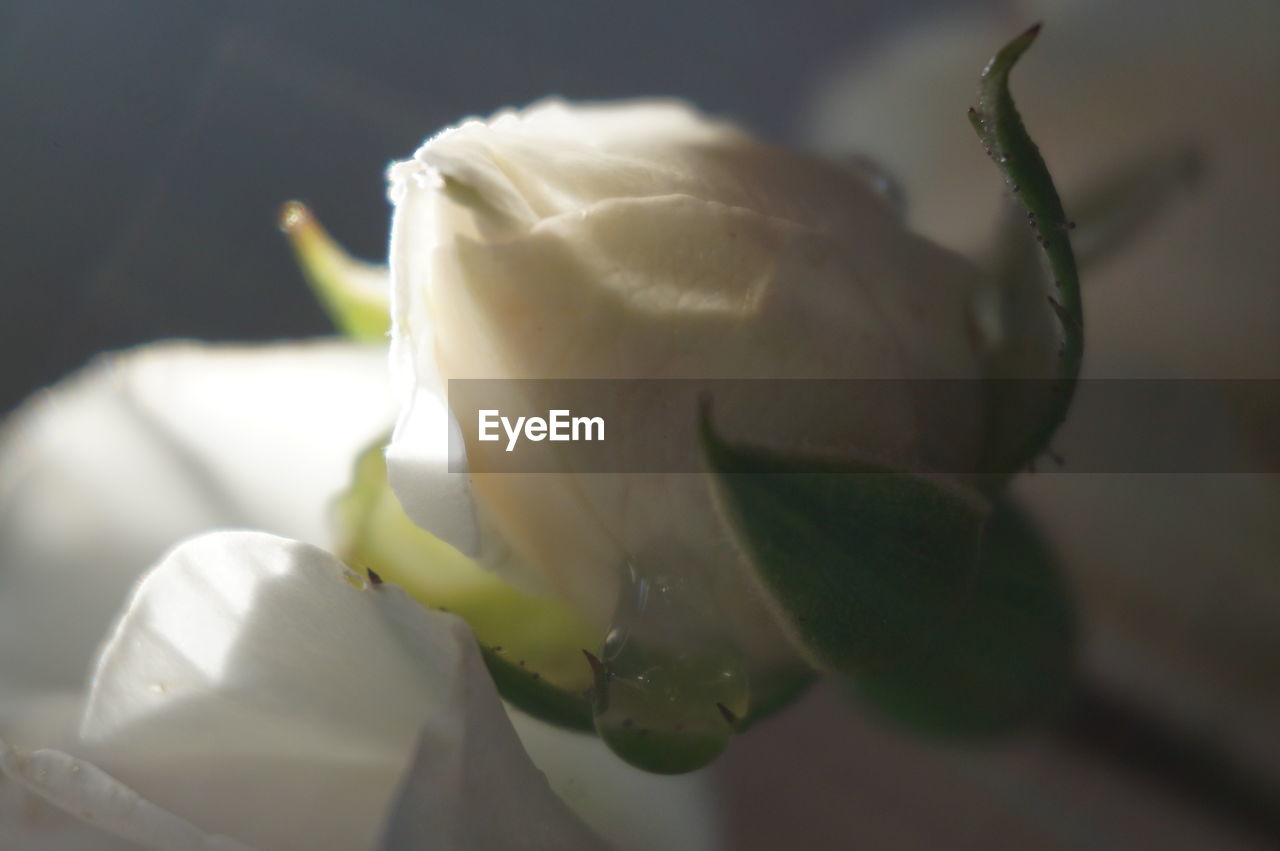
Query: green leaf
point(864, 564)
point(1022, 416)
point(532, 645)
point(525, 689)
point(1006, 660)
point(355, 295)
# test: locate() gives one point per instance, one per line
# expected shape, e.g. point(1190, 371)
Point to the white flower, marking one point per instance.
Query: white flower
point(643, 240)
point(1109, 87)
point(1175, 572)
point(253, 693)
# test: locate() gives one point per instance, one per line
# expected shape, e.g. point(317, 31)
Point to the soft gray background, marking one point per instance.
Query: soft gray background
point(148, 144)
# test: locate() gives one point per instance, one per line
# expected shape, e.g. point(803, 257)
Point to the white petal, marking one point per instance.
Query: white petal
point(426, 467)
point(255, 687)
point(619, 801)
point(902, 104)
point(552, 158)
point(464, 791)
point(104, 471)
point(33, 718)
point(666, 287)
point(50, 800)
point(426, 459)
point(1194, 295)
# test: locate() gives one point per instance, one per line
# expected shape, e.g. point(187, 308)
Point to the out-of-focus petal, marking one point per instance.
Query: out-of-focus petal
point(619, 801)
point(1175, 573)
point(467, 791)
point(901, 103)
point(51, 801)
point(101, 473)
point(258, 688)
point(1107, 86)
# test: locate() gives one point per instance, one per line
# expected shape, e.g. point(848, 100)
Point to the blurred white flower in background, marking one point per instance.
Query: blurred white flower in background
point(1109, 86)
point(1175, 573)
point(253, 691)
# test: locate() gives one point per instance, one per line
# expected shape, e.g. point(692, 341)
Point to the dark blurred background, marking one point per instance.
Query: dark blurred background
point(148, 145)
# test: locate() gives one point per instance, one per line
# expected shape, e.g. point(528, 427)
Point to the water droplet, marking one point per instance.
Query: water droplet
point(880, 179)
point(669, 682)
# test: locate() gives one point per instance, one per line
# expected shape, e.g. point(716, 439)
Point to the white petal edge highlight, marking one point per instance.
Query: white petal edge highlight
point(619, 801)
point(497, 798)
point(95, 812)
point(426, 459)
point(260, 689)
point(105, 470)
point(426, 467)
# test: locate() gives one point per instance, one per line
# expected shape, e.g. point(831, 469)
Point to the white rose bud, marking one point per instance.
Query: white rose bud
point(644, 240)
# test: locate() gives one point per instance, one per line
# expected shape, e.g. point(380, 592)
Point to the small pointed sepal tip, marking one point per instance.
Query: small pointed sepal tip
point(599, 691)
point(355, 294)
point(1016, 440)
point(598, 673)
point(293, 216)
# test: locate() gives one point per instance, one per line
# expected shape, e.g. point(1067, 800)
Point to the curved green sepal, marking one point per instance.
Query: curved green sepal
point(355, 295)
point(532, 645)
point(537, 696)
point(864, 564)
point(1006, 660)
point(1022, 416)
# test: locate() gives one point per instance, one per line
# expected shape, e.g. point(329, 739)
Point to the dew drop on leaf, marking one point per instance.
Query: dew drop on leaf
point(669, 682)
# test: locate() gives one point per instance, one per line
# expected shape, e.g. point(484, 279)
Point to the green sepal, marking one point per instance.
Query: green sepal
point(864, 564)
point(1008, 657)
point(535, 696)
point(1022, 416)
point(532, 645)
point(355, 295)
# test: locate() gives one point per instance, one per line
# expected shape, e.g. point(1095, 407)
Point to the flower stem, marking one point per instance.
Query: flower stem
point(1186, 763)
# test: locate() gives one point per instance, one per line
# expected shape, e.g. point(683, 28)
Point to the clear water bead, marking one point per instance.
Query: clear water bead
point(669, 684)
